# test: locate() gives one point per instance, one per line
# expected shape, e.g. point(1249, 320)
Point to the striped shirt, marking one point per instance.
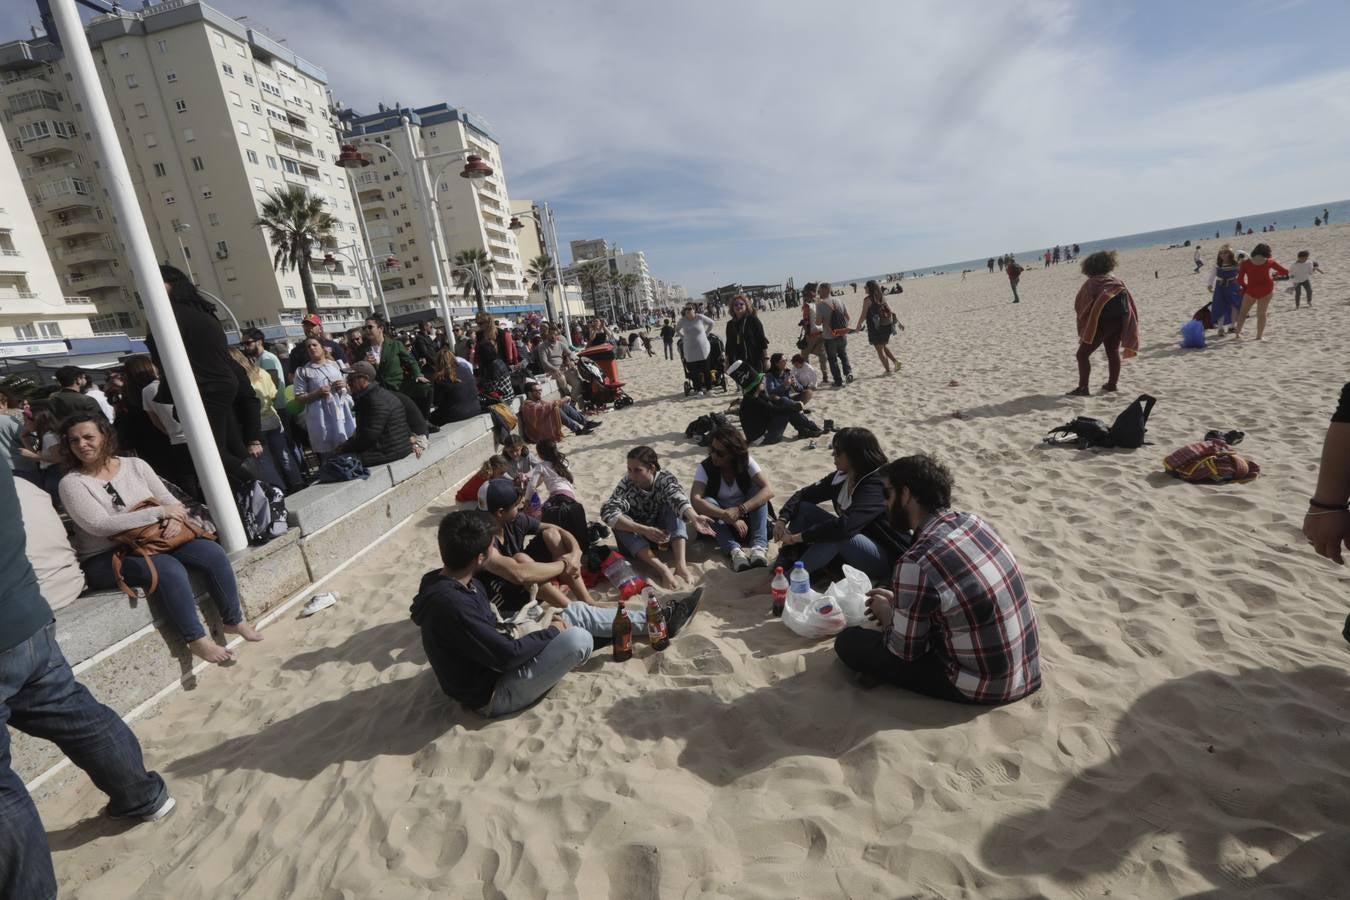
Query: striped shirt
point(644, 507)
point(959, 594)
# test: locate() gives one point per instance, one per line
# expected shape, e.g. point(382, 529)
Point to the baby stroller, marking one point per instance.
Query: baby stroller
point(600, 384)
point(717, 376)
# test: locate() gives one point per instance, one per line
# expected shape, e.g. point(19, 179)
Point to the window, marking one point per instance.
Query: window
point(189, 136)
point(243, 128)
point(151, 140)
point(159, 170)
point(219, 39)
point(235, 99)
point(240, 51)
point(258, 184)
point(290, 293)
point(222, 249)
point(252, 157)
point(230, 274)
point(212, 219)
point(180, 105)
point(290, 165)
point(141, 111)
point(198, 165)
point(131, 79)
point(321, 156)
point(248, 79)
point(206, 193)
point(169, 198)
point(271, 162)
point(255, 106)
point(170, 76)
point(124, 52)
point(163, 46)
point(29, 332)
point(227, 69)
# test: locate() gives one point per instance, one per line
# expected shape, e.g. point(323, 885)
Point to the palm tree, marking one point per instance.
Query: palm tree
point(591, 275)
point(628, 282)
point(295, 222)
point(541, 270)
point(476, 260)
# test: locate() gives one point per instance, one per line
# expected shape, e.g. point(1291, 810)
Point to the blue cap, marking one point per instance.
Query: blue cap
point(499, 494)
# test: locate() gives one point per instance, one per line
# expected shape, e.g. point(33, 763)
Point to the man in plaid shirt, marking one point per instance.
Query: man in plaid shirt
point(956, 623)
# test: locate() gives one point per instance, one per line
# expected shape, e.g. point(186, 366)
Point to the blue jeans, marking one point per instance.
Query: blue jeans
point(40, 696)
point(836, 351)
point(668, 521)
point(524, 685)
point(757, 519)
point(175, 591)
point(859, 551)
point(571, 418)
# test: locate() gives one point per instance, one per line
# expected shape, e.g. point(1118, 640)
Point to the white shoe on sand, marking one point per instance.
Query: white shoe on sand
point(739, 561)
point(319, 602)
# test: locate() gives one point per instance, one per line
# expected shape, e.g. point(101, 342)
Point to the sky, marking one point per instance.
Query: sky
point(753, 140)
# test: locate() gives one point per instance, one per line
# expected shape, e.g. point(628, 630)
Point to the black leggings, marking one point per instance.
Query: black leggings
point(219, 403)
point(864, 650)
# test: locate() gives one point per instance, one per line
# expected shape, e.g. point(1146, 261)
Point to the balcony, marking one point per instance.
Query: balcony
point(65, 193)
point(501, 245)
point(16, 294)
point(98, 251)
point(75, 226)
point(35, 77)
point(94, 281)
point(81, 304)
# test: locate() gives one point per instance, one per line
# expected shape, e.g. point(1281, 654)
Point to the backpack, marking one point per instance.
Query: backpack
point(1129, 427)
point(838, 318)
point(262, 507)
point(699, 429)
point(1082, 432)
point(1210, 462)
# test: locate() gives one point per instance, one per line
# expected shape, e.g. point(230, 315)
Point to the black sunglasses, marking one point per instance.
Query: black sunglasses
point(117, 501)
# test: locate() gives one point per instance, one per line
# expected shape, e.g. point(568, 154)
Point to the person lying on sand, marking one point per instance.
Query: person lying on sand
point(485, 670)
point(956, 623)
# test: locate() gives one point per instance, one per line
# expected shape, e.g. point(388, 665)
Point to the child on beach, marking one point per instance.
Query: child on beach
point(1106, 317)
point(1301, 273)
point(1223, 284)
point(493, 467)
point(1258, 285)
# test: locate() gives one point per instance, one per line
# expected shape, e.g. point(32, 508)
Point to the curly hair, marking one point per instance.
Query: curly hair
point(1103, 262)
point(927, 479)
point(69, 459)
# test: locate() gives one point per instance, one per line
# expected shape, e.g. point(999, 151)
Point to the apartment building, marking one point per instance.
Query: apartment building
point(618, 263)
point(33, 305)
point(474, 214)
point(584, 251)
point(213, 112)
point(532, 242)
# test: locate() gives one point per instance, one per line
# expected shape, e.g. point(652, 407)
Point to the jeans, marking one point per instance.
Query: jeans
point(757, 519)
point(778, 424)
point(525, 684)
point(1299, 288)
point(667, 520)
point(859, 551)
point(864, 650)
point(836, 350)
point(175, 591)
point(670, 349)
point(40, 696)
point(571, 418)
point(1013, 282)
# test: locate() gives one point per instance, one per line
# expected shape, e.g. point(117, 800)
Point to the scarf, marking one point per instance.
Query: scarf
point(1092, 298)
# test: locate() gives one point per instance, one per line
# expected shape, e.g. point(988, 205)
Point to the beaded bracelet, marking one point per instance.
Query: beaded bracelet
point(1334, 507)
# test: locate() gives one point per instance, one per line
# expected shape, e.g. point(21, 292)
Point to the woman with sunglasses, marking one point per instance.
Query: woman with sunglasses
point(857, 532)
point(731, 490)
point(745, 335)
point(100, 492)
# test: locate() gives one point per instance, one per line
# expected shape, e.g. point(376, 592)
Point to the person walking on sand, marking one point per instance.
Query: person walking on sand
point(1226, 296)
point(880, 322)
point(1258, 285)
point(1107, 317)
point(1300, 274)
point(1014, 275)
point(668, 338)
point(832, 317)
point(1199, 263)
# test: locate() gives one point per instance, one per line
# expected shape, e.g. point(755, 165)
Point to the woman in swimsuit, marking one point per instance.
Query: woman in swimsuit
point(1257, 287)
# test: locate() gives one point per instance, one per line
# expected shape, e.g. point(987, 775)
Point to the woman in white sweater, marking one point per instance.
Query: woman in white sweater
point(694, 328)
point(100, 494)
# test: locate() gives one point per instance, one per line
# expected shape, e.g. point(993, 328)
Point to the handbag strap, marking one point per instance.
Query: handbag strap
point(122, 585)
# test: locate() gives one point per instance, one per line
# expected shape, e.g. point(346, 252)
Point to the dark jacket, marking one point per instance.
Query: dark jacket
point(382, 434)
point(759, 410)
point(866, 514)
point(207, 351)
point(425, 349)
point(65, 403)
point(461, 640)
point(417, 424)
point(23, 612)
point(746, 341)
point(455, 401)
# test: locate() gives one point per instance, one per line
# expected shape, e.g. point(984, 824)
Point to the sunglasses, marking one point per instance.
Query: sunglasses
point(117, 501)
point(718, 451)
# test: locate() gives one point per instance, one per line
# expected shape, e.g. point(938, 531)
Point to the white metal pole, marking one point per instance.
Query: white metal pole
point(177, 368)
point(557, 271)
point(431, 217)
point(365, 235)
point(186, 262)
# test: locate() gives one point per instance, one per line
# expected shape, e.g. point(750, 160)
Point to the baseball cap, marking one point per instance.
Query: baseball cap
point(364, 368)
point(498, 494)
point(312, 319)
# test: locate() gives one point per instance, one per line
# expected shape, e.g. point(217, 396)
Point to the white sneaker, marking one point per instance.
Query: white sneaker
point(155, 815)
point(759, 557)
point(318, 602)
point(739, 561)
point(703, 393)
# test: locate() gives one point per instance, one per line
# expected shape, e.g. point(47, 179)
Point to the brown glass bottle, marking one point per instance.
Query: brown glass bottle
point(657, 637)
point(623, 635)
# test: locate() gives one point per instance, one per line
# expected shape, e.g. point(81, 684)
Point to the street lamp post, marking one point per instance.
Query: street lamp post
point(178, 233)
point(477, 284)
point(359, 263)
point(516, 225)
point(116, 179)
point(474, 167)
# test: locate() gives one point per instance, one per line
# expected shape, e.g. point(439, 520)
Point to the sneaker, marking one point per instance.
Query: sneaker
point(318, 602)
point(701, 394)
point(681, 611)
point(759, 558)
point(739, 561)
point(849, 377)
point(154, 815)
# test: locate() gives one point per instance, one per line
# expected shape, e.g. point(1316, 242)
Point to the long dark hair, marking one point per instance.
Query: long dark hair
point(861, 448)
point(873, 292)
point(730, 437)
point(140, 372)
point(70, 460)
point(645, 455)
point(182, 290)
point(548, 451)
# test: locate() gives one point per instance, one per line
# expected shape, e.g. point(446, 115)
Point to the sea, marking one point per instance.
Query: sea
point(1202, 232)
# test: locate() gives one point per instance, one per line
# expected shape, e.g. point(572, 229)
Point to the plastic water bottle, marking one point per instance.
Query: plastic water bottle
point(623, 576)
point(779, 589)
point(801, 580)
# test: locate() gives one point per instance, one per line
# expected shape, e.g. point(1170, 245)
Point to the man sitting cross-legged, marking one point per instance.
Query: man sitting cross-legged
point(525, 552)
point(957, 623)
point(475, 663)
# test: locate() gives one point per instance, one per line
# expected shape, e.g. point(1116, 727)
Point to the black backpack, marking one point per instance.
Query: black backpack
point(838, 316)
point(1128, 429)
point(699, 429)
point(1081, 432)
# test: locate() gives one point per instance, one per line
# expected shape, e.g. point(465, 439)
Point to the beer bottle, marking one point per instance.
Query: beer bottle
point(656, 623)
point(623, 635)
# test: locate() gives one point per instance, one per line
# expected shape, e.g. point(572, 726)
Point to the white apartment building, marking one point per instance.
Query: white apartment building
point(531, 242)
point(474, 214)
point(33, 306)
point(213, 113)
point(618, 263)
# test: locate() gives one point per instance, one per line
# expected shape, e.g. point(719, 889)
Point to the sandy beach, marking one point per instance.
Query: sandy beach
point(1190, 739)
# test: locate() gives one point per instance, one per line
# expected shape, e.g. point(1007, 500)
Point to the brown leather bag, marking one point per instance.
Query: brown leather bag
point(151, 539)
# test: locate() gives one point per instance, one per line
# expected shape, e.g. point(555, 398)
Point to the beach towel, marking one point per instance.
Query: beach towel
point(1092, 298)
point(1210, 462)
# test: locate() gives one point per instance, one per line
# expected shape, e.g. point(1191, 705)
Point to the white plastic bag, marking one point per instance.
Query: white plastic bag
point(813, 616)
point(851, 595)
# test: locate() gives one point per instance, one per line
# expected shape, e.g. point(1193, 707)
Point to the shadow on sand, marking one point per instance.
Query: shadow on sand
point(1015, 407)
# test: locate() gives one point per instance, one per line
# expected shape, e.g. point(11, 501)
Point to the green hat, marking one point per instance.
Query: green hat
point(753, 384)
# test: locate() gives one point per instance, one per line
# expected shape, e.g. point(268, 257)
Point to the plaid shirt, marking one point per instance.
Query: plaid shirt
point(959, 594)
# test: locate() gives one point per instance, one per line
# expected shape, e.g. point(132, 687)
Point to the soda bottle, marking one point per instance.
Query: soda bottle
point(623, 635)
point(622, 575)
point(779, 588)
point(656, 623)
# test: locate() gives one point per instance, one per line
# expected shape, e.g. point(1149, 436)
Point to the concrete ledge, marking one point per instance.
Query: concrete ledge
point(318, 506)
